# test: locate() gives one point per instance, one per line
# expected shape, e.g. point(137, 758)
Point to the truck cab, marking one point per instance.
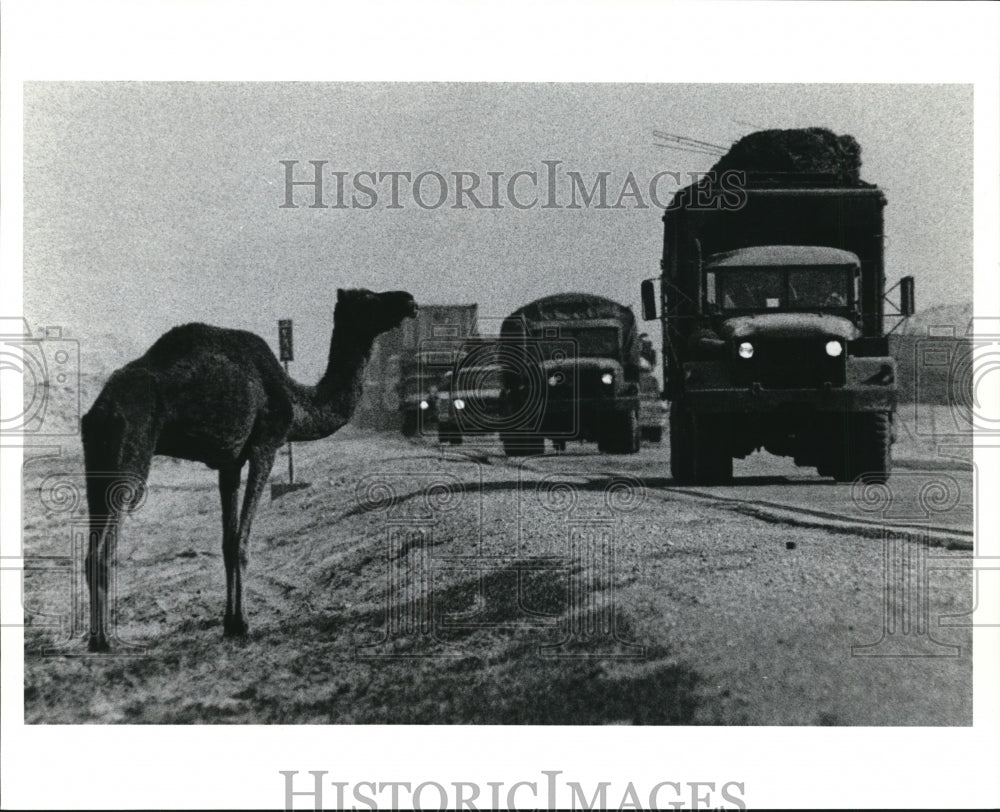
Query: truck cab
point(468, 401)
point(431, 339)
point(418, 389)
point(784, 313)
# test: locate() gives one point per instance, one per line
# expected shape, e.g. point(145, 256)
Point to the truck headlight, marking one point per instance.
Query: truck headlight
point(459, 403)
point(607, 378)
point(424, 404)
point(746, 350)
point(555, 380)
point(834, 348)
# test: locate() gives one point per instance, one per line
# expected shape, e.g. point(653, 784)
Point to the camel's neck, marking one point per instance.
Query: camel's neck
point(322, 409)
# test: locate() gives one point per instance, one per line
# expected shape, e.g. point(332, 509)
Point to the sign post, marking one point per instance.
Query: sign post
point(287, 354)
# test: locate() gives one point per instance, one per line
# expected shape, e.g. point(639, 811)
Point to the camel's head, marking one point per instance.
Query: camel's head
point(371, 312)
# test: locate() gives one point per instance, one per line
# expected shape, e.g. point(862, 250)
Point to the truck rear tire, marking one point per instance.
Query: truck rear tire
point(411, 423)
point(522, 445)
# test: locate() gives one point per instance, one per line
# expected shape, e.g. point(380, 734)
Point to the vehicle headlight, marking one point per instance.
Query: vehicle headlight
point(459, 403)
point(424, 404)
point(746, 350)
point(555, 380)
point(834, 348)
point(607, 378)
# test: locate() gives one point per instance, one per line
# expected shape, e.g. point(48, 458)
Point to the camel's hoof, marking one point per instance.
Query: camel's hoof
point(234, 627)
point(98, 644)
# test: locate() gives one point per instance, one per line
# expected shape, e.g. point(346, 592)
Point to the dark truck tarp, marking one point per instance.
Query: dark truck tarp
point(811, 157)
point(576, 307)
point(814, 150)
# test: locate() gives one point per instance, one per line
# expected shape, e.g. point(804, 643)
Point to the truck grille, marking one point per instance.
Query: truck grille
point(791, 364)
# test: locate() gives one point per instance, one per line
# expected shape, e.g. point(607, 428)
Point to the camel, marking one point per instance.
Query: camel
point(220, 397)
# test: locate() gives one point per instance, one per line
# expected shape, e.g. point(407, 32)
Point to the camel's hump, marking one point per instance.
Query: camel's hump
point(190, 340)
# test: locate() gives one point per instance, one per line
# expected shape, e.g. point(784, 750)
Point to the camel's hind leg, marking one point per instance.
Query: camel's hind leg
point(105, 520)
point(261, 461)
point(102, 531)
point(117, 456)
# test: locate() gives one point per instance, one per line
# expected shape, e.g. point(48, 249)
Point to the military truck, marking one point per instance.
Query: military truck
point(437, 329)
point(469, 394)
point(772, 300)
point(570, 371)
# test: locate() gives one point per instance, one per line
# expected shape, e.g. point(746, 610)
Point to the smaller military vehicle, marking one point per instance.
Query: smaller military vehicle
point(570, 371)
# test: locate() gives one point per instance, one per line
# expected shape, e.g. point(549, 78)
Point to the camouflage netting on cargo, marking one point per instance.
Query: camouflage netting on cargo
point(809, 151)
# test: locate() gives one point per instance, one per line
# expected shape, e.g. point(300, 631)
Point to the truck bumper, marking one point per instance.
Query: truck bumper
point(582, 417)
point(766, 400)
point(870, 387)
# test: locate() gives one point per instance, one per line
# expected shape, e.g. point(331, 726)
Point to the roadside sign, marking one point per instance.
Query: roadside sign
point(285, 339)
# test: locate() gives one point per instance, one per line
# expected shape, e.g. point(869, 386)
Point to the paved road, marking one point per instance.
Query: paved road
point(411, 584)
point(932, 494)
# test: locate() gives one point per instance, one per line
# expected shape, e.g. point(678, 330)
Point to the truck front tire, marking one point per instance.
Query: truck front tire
point(699, 454)
point(681, 445)
point(620, 434)
point(866, 448)
point(713, 462)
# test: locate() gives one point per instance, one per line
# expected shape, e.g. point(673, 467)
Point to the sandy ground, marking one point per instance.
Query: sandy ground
point(409, 586)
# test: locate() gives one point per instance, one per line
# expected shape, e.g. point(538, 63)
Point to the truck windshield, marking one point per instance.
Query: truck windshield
point(780, 288)
point(592, 342)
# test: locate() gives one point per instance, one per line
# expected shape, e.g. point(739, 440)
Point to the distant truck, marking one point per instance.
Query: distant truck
point(437, 330)
point(379, 404)
point(570, 372)
point(469, 394)
point(773, 326)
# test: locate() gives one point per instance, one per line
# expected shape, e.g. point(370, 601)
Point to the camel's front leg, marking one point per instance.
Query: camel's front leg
point(261, 460)
point(229, 492)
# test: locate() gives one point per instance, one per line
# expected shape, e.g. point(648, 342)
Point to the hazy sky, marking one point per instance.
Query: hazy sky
point(152, 204)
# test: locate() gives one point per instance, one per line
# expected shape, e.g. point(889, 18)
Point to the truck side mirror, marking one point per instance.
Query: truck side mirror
point(906, 296)
point(648, 291)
